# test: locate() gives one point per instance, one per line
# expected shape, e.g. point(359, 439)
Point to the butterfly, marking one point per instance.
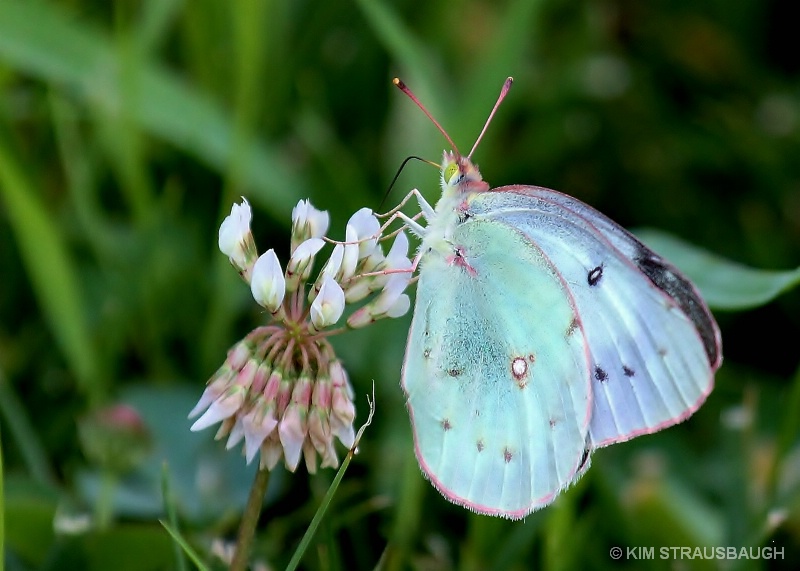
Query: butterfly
point(542, 331)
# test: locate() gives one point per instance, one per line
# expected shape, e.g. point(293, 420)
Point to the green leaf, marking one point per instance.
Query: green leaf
point(31, 509)
point(724, 284)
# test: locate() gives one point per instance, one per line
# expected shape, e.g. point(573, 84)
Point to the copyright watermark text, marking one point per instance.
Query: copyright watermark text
point(642, 553)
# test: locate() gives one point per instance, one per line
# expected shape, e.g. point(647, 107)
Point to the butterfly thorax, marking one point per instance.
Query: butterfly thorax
point(460, 179)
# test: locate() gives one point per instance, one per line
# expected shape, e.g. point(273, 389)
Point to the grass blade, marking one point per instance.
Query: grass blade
point(172, 516)
point(176, 535)
point(41, 40)
point(326, 501)
point(52, 273)
point(22, 431)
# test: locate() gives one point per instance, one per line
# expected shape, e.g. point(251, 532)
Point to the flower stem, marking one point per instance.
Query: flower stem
point(247, 528)
point(104, 509)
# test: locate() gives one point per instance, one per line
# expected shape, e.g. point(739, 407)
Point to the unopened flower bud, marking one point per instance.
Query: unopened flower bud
point(329, 270)
point(308, 222)
point(301, 262)
point(222, 408)
point(391, 293)
point(267, 282)
point(399, 308)
point(235, 238)
point(391, 302)
point(359, 288)
point(366, 226)
point(396, 259)
point(114, 437)
point(350, 259)
point(328, 306)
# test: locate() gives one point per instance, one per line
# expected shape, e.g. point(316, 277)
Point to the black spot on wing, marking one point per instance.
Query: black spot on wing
point(600, 374)
point(593, 278)
point(669, 280)
point(628, 371)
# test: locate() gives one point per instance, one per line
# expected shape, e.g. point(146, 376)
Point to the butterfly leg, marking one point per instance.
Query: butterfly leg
point(424, 206)
point(409, 222)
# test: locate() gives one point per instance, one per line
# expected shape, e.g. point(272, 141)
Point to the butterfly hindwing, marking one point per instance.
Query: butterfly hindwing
point(654, 346)
point(497, 373)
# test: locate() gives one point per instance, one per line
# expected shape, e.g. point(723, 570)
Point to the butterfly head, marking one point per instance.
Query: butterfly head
point(460, 176)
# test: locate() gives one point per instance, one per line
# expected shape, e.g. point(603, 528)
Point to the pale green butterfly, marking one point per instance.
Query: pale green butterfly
point(542, 331)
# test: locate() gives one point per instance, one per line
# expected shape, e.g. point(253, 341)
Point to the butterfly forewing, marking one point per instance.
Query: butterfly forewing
point(651, 362)
point(660, 272)
point(497, 373)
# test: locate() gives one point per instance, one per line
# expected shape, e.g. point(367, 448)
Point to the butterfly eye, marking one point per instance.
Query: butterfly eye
point(450, 172)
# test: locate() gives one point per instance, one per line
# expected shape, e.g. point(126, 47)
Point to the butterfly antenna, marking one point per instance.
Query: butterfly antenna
point(397, 175)
point(503, 92)
point(404, 88)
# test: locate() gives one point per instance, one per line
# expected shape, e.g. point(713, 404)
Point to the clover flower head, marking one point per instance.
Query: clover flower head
point(282, 393)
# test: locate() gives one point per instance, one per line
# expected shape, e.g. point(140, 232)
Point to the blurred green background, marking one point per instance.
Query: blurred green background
point(128, 128)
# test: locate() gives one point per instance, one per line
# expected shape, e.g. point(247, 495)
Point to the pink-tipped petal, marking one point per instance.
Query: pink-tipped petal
point(271, 452)
point(283, 398)
point(310, 456)
point(319, 429)
point(205, 401)
point(236, 434)
point(360, 318)
point(339, 378)
point(221, 409)
point(225, 428)
point(238, 355)
point(322, 390)
point(245, 377)
point(273, 385)
point(218, 384)
point(344, 432)
point(292, 430)
point(258, 424)
point(329, 458)
point(263, 373)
